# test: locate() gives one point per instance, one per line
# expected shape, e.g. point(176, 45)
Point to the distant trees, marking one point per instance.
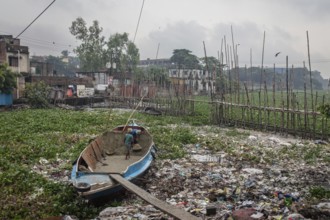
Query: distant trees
point(7, 79)
point(123, 52)
point(297, 77)
point(90, 51)
point(212, 63)
point(184, 59)
point(37, 94)
point(95, 52)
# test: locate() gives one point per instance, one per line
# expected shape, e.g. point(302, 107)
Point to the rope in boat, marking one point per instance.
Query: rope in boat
point(129, 118)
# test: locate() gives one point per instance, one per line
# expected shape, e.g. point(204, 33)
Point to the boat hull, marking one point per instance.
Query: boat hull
point(94, 181)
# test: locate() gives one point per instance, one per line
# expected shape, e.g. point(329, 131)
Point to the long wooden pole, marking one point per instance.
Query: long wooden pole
point(305, 101)
point(262, 60)
point(208, 72)
point(310, 71)
point(174, 211)
point(287, 93)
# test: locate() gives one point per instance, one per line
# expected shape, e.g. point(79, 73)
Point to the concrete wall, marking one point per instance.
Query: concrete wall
point(24, 62)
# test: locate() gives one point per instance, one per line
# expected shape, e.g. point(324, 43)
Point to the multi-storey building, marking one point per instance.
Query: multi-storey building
point(17, 58)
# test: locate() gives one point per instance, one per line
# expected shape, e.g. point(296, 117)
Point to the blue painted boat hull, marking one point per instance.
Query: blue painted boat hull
point(98, 184)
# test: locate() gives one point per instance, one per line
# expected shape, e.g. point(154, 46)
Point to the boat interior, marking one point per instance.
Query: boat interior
point(106, 153)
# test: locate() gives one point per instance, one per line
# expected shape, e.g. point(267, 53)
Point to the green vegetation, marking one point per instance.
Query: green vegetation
point(170, 141)
point(7, 79)
point(37, 94)
point(94, 51)
point(319, 192)
point(278, 99)
point(184, 59)
point(234, 133)
point(29, 136)
point(325, 110)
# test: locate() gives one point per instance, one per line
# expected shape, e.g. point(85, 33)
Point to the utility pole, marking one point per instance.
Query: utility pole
point(19, 73)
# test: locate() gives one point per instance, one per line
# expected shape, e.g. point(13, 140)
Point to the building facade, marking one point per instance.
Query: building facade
point(165, 63)
point(15, 55)
point(192, 80)
point(17, 58)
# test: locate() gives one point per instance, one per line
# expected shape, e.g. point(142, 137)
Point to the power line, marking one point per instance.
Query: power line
point(35, 19)
point(137, 26)
point(41, 41)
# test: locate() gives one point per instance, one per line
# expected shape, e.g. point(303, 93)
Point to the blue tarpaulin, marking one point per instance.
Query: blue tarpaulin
point(6, 99)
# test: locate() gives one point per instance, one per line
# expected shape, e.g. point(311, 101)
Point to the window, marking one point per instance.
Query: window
point(13, 61)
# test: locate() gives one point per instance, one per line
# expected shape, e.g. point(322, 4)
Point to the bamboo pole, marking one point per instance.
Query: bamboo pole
point(310, 71)
point(274, 100)
point(259, 111)
point(314, 117)
point(305, 101)
point(251, 75)
point(293, 98)
point(230, 84)
point(234, 62)
point(293, 117)
point(322, 122)
point(262, 59)
point(222, 78)
point(226, 108)
point(311, 84)
point(208, 72)
point(282, 103)
point(238, 77)
point(266, 104)
point(287, 94)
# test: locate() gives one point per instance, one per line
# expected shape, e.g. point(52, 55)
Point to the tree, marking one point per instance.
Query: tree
point(95, 52)
point(37, 94)
point(90, 52)
point(123, 52)
point(324, 110)
point(184, 59)
point(7, 79)
point(212, 63)
point(65, 53)
point(158, 75)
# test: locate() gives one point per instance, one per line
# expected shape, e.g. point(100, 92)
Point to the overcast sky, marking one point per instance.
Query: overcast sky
point(184, 24)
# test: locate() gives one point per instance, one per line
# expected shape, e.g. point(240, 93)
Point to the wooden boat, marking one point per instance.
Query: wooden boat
point(101, 170)
point(152, 111)
point(104, 156)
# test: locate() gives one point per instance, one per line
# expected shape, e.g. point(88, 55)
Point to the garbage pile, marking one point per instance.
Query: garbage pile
point(227, 185)
point(257, 176)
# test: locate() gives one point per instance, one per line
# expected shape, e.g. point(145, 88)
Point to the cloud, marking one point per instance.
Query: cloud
point(184, 24)
point(180, 35)
point(315, 10)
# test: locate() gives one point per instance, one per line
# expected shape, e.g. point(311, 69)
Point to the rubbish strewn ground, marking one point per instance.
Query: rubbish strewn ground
point(253, 175)
point(259, 176)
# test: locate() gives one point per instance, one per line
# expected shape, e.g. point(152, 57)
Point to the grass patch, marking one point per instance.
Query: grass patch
point(312, 154)
point(319, 192)
point(170, 141)
point(26, 136)
point(236, 133)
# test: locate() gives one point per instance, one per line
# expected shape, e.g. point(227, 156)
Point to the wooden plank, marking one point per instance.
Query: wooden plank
point(97, 151)
point(89, 157)
point(165, 207)
point(98, 143)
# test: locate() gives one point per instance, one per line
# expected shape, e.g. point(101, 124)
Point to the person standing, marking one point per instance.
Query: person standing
point(135, 134)
point(128, 142)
